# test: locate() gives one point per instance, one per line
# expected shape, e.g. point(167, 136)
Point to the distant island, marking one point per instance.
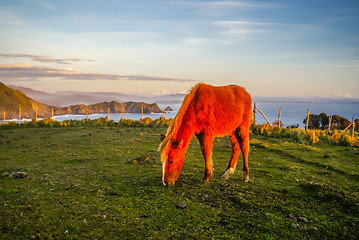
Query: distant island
point(168, 109)
point(11, 100)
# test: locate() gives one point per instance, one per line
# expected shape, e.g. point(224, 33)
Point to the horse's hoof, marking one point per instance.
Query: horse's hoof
point(228, 173)
point(245, 177)
point(225, 176)
point(206, 181)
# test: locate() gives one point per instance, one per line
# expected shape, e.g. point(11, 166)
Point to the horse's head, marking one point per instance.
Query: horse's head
point(172, 161)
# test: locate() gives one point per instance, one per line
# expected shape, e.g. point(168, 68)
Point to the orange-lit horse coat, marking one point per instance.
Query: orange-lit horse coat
point(208, 111)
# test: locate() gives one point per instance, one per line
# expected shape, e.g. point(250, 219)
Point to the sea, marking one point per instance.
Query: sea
point(293, 111)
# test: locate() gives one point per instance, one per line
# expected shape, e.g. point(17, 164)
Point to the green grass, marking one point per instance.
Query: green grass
point(82, 183)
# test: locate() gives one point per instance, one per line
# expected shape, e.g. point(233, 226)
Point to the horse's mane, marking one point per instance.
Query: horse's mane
point(176, 123)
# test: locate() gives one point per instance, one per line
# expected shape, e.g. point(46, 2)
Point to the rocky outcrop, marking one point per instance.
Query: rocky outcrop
point(168, 109)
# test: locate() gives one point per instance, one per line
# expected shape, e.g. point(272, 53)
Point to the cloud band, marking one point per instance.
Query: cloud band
point(39, 58)
point(28, 71)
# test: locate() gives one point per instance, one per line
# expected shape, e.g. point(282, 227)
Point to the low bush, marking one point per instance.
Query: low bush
point(307, 137)
point(100, 122)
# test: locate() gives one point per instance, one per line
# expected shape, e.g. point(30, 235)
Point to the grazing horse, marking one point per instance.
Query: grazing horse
point(208, 111)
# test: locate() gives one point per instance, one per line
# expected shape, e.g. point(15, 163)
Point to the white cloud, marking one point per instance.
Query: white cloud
point(246, 4)
point(241, 29)
point(194, 41)
point(349, 64)
point(44, 4)
point(9, 19)
point(222, 8)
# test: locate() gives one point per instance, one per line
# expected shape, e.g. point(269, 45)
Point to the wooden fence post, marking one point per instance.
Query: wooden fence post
point(87, 114)
point(141, 113)
point(255, 114)
point(330, 122)
point(36, 115)
point(108, 111)
point(264, 116)
point(280, 113)
point(69, 111)
point(161, 112)
point(353, 129)
point(122, 111)
point(346, 129)
point(19, 116)
point(307, 120)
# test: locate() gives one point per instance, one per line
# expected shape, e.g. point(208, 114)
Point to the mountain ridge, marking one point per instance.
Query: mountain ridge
point(11, 100)
point(66, 98)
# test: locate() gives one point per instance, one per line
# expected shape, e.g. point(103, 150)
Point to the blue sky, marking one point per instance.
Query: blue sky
point(272, 48)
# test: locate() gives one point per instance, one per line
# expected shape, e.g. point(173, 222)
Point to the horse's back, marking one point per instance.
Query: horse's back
point(222, 108)
point(230, 98)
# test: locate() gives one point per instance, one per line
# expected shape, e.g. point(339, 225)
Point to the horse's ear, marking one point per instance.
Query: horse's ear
point(162, 137)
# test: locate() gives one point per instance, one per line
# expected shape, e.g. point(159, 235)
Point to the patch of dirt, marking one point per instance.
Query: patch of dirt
point(144, 159)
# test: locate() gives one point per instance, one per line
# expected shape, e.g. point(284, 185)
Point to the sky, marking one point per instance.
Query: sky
point(292, 48)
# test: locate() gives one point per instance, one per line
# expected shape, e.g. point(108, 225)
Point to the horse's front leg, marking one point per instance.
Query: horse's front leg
point(206, 142)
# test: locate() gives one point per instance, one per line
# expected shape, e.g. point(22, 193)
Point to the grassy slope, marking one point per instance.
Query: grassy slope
point(11, 100)
point(82, 183)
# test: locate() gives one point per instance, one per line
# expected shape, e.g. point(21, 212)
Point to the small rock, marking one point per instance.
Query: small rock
point(312, 230)
point(303, 219)
point(181, 205)
point(303, 229)
point(18, 175)
point(295, 225)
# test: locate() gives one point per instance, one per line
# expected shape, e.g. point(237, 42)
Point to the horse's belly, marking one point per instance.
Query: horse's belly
point(223, 124)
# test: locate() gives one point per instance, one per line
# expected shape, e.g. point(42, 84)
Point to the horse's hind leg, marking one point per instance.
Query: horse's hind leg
point(234, 157)
point(242, 135)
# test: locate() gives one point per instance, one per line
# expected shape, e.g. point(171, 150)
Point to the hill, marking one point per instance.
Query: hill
point(66, 98)
point(11, 100)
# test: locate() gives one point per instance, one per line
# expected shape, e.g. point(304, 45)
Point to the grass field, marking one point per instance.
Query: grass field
point(105, 183)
